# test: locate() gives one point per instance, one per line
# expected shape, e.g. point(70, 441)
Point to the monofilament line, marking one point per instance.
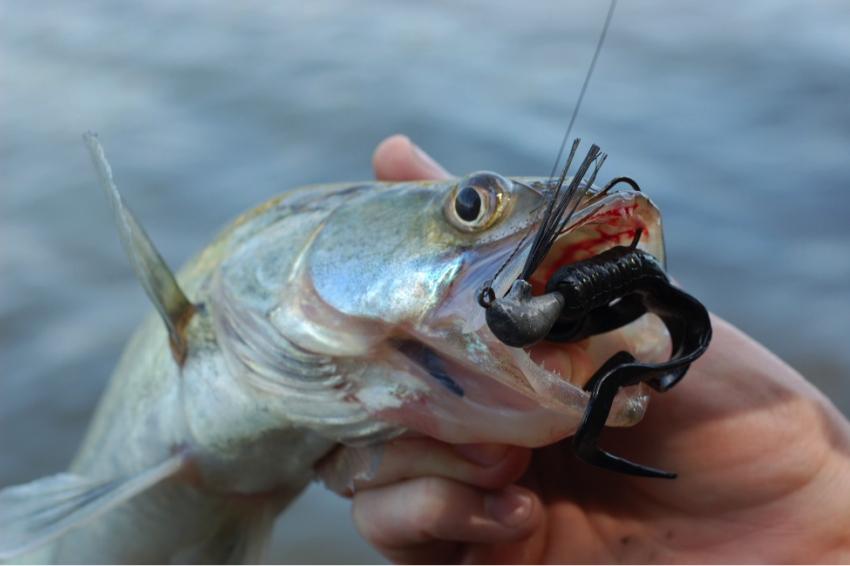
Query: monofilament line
point(584, 87)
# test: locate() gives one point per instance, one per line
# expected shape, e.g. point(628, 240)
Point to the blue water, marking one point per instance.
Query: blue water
point(733, 117)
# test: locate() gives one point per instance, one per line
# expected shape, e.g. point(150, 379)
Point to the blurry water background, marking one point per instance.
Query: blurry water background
point(734, 117)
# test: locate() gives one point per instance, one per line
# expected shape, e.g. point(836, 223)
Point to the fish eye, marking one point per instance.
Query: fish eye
point(476, 201)
point(468, 204)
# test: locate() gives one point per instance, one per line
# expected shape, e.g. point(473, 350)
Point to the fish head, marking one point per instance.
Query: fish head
point(384, 285)
point(415, 256)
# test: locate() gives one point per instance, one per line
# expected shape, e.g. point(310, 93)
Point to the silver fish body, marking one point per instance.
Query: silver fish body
point(333, 315)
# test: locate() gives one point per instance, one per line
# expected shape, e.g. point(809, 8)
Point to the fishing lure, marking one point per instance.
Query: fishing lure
point(594, 296)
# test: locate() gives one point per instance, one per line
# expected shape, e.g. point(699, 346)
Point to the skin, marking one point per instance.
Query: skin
point(763, 461)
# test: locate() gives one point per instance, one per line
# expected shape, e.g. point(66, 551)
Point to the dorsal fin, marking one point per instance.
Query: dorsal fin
point(150, 269)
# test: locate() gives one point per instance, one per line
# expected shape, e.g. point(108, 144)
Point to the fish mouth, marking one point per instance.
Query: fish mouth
point(556, 373)
point(571, 361)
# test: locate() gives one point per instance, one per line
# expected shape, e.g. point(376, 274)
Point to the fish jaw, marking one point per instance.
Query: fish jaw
point(495, 393)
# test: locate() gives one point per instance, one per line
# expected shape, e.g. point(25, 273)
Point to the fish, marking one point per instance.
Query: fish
point(312, 330)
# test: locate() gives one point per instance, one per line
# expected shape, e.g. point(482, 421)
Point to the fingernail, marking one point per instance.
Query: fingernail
point(427, 162)
point(483, 454)
point(508, 506)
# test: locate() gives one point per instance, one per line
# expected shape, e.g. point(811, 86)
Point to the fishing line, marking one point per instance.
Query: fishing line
point(584, 86)
point(486, 295)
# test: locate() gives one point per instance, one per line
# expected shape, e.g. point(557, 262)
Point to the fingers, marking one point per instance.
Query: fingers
point(398, 159)
point(425, 519)
point(489, 466)
point(429, 498)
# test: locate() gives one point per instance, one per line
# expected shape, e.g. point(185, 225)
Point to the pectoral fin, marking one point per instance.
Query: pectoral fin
point(39, 512)
point(150, 269)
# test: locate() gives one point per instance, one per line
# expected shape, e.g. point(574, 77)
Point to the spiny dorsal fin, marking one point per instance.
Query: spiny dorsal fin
point(150, 269)
point(37, 513)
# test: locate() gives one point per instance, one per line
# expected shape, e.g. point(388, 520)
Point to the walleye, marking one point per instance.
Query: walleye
point(311, 331)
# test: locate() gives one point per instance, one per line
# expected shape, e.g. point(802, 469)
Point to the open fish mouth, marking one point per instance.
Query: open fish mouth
point(555, 374)
point(587, 237)
point(555, 370)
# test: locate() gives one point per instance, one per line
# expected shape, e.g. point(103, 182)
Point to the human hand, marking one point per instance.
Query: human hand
point(763, 460)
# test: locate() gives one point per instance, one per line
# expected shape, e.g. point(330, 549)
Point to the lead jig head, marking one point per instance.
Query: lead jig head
point(519, 319)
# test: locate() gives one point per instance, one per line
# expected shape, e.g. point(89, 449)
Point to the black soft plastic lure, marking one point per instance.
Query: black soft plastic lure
point(593, 296)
